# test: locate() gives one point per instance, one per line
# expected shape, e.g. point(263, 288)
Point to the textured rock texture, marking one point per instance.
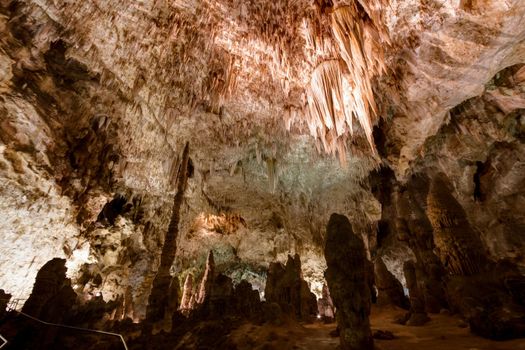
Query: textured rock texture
point(286, 287)
point(349, 278)
point(4, 301)
point(417, 315)
point(159, 301)
point(390, 290)
point(459, 247)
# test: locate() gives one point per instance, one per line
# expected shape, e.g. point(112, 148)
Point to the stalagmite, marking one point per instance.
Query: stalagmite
point(326, 305)
point(414, 228)
point(422, 101)
point(285, 286)
point(159, 298)
point(52, 293)
point(187, 293)
point(4, 301)
point(348, 277)
point(460, 248)
point(207, 280)
point(247, 300)
point(417, 315)
point(389, 288)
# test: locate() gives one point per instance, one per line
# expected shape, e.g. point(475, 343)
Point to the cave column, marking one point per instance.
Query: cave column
point(164, 288)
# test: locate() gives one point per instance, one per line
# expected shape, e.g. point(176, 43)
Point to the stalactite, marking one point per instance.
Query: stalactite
point(158, 300)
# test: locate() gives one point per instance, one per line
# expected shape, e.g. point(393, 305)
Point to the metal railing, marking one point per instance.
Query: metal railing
point(4, 341)
point(13, 309)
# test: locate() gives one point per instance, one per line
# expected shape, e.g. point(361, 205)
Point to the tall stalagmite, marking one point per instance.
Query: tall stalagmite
point(459, 247)
point(414, 228)
point(207, 279)
point(417, 315)
point(348, 275)
point(163, 290)
point(187, 293)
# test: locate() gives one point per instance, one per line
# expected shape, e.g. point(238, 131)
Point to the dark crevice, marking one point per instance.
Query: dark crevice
point(478, 194)
point(117, 206)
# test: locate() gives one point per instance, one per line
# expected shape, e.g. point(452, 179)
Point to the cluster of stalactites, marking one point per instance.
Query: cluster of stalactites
point(340, 89)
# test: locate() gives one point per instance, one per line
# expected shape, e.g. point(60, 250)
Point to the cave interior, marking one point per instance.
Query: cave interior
point(257, 174)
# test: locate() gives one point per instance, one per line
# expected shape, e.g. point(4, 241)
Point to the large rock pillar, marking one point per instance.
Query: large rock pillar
point(163, 289)
point(348, 276)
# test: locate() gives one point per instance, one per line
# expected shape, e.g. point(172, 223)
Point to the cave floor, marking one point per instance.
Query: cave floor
point(443, 332)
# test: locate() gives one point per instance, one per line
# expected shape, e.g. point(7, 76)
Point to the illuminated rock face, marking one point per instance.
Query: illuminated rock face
point(98, 100)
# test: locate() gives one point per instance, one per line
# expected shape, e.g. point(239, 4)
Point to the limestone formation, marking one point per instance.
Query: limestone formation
point(390, 290)
point(219, 301)
point(348, 278)
point(417, 231)
point(417, 315)
point(295, 109)
point(326, 305)
point(247, 300)
point(460, 248)
point(488, 308)
point(52, 293)
point(187, 293)
point(4, 301)
point(207, 279)
point(160, 298)
point(285, 286)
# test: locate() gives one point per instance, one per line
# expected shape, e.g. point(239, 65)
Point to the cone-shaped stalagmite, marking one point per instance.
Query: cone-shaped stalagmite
point(348, 277)
point(187, 293)
point(207, 279)
point(162, 289)
point(460, 249)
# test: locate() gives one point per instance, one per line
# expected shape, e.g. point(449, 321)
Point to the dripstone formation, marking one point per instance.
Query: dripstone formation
point(326, 305)
point(417, 315)
point(460, 249)
point(52, 293)
point(407, 117)
point(389, 288)
point(163, 298)
point(348, 276)
point(285, 286)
